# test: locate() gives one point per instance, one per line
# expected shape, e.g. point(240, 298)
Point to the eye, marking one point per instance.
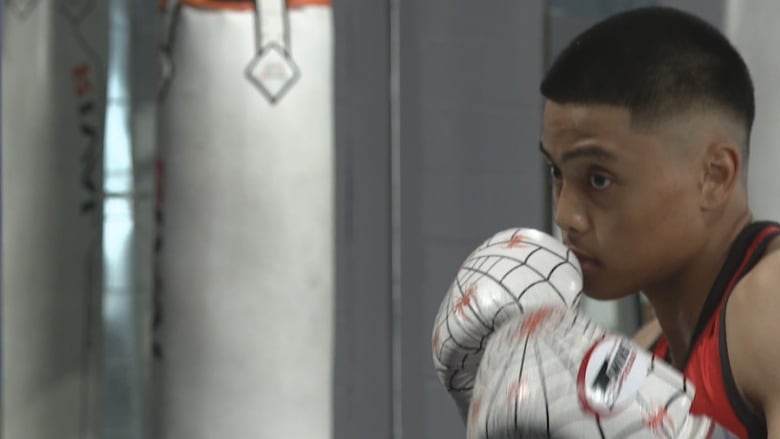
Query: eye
point(554, 171)
point(599, 182)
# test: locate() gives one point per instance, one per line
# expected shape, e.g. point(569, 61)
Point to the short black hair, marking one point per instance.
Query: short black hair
point(656, 62)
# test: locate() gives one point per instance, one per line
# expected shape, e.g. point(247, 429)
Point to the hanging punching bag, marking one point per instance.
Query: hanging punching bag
point(244, 300)
point(53, 93)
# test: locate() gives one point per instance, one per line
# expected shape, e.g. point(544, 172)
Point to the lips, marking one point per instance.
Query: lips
point(586, 261)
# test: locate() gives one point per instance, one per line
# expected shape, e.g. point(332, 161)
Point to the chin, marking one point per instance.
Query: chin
point(605, 292)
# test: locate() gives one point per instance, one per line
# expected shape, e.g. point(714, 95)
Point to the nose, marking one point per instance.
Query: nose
point(570, 212)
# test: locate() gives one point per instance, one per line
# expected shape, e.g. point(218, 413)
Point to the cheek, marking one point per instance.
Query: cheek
point(653, 228)
point(673, 209)
point(668, 201)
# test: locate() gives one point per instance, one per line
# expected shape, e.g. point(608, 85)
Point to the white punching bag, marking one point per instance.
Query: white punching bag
point(751, 25)
point(53, 97)
point(244, 300)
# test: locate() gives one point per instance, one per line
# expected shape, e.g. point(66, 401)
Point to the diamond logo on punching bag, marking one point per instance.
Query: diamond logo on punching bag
point(273, 72)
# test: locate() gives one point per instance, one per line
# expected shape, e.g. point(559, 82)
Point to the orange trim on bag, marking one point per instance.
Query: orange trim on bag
point(243, 5)
point(299, 3)
point(232, 5)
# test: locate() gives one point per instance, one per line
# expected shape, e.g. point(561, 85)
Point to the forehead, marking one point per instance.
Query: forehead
point(568, 122)
point(609, 129)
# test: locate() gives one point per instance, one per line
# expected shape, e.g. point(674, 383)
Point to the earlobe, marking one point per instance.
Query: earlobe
point(720, 174)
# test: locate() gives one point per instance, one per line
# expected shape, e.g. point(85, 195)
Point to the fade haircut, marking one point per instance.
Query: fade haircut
point(657, 62)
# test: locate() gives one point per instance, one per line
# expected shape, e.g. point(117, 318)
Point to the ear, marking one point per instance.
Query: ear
point(721, 169)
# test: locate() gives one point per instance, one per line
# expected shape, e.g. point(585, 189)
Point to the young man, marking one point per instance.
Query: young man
point(646, 132)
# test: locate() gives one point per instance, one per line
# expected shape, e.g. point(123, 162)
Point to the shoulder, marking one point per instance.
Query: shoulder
point(761, 284)
point(752, 331)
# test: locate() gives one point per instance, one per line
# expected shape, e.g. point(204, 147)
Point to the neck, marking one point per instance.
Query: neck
point(678, 301)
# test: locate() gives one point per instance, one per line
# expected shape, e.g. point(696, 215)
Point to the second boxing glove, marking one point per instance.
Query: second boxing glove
point(555, 374)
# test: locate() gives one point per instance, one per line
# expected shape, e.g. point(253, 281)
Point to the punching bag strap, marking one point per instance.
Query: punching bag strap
point(272, 70)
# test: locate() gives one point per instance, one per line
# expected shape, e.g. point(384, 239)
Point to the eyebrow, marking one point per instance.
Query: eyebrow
point(593, 151)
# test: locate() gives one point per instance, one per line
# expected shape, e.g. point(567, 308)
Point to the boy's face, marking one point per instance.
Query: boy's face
point(626, 200)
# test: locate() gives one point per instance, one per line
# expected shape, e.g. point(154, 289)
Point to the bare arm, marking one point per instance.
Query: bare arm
point(753, 339)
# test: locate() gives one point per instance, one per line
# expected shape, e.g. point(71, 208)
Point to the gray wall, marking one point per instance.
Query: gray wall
point(470, 119)
point(362, 392)
point(710, 10)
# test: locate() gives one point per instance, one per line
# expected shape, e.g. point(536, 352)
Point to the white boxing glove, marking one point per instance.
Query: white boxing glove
point(555, 374)
point(513, 272)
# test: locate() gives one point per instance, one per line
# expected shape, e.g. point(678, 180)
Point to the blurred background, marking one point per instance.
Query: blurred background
point(237, 218)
